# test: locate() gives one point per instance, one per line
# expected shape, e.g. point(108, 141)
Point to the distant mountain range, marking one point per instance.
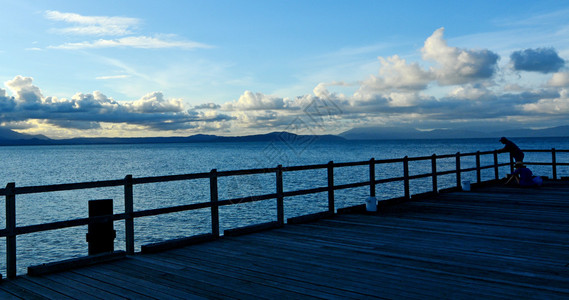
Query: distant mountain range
point(396, 133)
point(10, 137)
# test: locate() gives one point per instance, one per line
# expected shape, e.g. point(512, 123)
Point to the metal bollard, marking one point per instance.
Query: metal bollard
point(100, 234)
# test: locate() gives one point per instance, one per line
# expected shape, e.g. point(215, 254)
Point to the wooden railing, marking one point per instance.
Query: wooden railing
point(11, 231)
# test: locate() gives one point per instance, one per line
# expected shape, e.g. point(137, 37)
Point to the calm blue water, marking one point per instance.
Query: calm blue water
point(44, 165)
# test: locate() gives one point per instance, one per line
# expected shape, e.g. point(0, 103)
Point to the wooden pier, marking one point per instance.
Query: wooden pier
point(492, 242)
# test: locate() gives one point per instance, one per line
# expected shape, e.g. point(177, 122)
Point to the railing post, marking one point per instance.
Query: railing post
point(458, 173)
point(478, 175)
point(331, 208)
point(434, 172)
point(11, 228)
point(372, 177)
point(554, 163)
point(214, 206)
point(280, 197)
point(128, 210)
point(406, 177)
point(496, 168)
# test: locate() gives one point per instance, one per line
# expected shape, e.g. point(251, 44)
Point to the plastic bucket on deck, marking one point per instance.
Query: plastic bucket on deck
point(371, 204)
point(466, 185)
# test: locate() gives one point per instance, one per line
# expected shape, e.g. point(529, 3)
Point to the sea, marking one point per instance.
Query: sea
point(47, 165)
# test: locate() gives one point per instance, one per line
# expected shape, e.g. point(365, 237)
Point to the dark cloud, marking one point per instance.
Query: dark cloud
point(81, 125)
point(543, 60)
point(7, 104)
point(207, 106)
point(87, 111)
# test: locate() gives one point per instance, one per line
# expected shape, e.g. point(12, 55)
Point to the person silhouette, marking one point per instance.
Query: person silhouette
point(514, 150)
point(524, 176)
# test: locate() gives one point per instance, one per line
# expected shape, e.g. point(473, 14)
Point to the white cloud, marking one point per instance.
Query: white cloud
point(555, 106)
point(142, 42)
point(24, 90)
point(395, 74)
point(155, 103)
point(458, 66)
point(89, 111)
point(92, 25)
point(113, 26)
point(560, 79)
point(255, 101)
point(470, 92)
point(112, 77)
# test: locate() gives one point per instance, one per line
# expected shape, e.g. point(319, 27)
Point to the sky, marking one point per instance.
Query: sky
point(178, 68)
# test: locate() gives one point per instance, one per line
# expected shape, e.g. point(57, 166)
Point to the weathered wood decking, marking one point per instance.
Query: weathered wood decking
point(493, 242)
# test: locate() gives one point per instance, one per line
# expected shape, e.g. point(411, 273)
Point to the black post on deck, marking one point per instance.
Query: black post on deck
point(458, 170)
point(372, 177)
point(331, 208)
point(434, 173)
point(406, 177)
point(100, 234)
point(478, 170)
point(11, 228)
point(496, 168)
point(553, 164)
point(214, 197)
point(280, 196)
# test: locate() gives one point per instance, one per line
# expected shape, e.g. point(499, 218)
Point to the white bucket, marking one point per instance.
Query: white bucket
point(371, 204)
point(466, 185)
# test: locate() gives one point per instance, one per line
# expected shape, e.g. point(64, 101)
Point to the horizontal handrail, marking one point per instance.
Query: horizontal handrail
point(11, 191)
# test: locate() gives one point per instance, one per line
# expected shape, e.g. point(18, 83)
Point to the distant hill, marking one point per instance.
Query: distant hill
point(9, 137)
point(8, 134)
point(395, 133)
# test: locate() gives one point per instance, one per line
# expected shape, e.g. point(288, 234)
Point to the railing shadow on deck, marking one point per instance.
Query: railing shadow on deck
point(11, 231)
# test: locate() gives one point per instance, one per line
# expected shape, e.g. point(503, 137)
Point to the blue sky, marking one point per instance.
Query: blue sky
point(176, 68)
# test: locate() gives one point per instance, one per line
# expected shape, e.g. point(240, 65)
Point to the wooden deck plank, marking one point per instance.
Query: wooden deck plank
point(240, 287)
point(128, 271)
point(22, 292)
point(88, 276)
point(39, 290)
point(72, 280)
point(316, 275)
point(6, 295)
point(249, 271)
point(494, 242)
point(340, 263)
point(73, 292)
point(145, 287)
point(207, 284)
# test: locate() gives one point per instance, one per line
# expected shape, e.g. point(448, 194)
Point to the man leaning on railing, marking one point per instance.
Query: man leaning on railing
point(514, 150)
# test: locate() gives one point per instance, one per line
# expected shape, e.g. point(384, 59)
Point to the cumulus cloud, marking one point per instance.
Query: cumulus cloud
point(26, 93)
point(88, 110)
point(208, 106)
point(396, 76)
point(458, 66)
point(457, 85)
point(255, 101)
point(560, 79)
point(155, 103)
point(550, 106)
point(542, 60)
point(7, 103)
